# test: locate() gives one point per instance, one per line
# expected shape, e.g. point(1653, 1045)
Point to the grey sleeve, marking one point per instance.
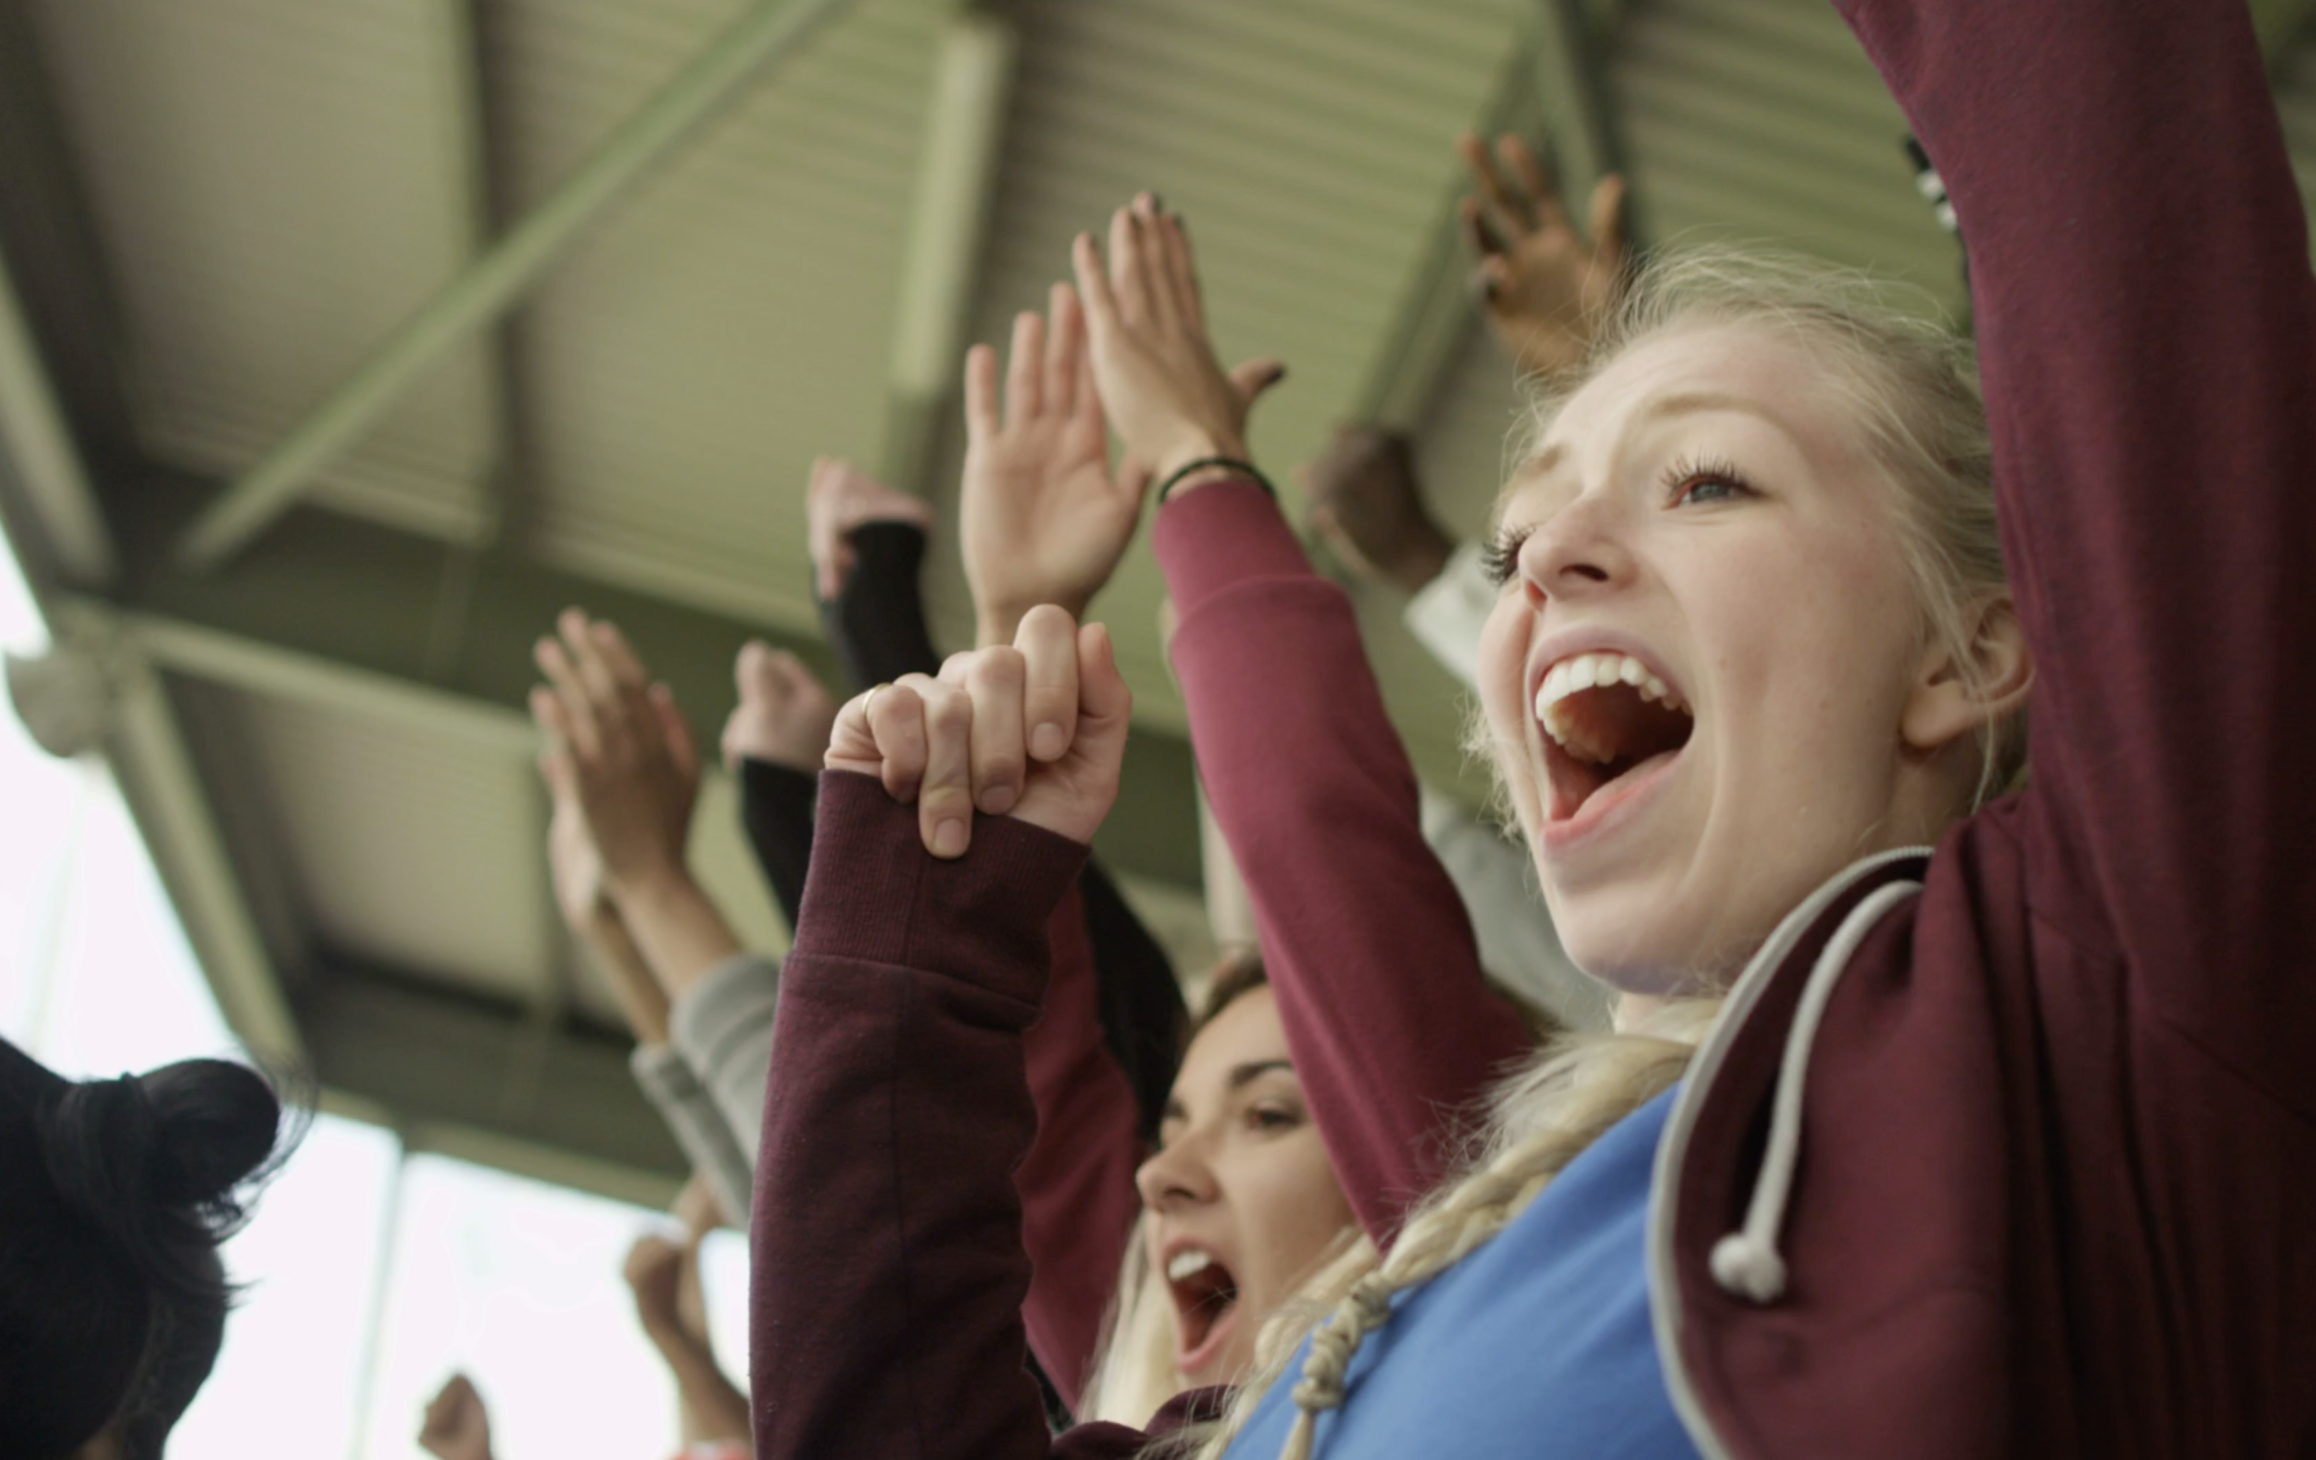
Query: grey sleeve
point(1518, 946)
point(723, 1030)
point(699, 1127)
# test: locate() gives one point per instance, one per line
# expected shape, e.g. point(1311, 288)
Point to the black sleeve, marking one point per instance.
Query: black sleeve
point(877, 620)
point(776, 809)
point(1143, 1017)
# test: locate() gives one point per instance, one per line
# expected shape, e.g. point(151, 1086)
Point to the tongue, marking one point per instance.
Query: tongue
point(1617, 722)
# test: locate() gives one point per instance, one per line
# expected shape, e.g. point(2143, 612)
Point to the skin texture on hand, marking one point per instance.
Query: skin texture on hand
point(1034, 730)
point(838, 498)
point(1365, 502)
point(456, 1425)
point(1041, 516)
point(1545, 289)
point(634, 775)
point(783, 715)
point(1166, 395)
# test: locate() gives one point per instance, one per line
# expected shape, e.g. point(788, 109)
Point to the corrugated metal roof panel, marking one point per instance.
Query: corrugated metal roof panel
point(278, 184)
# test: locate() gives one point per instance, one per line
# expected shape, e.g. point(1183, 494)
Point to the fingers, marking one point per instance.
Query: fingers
point(1505, 213)
point(1024, 369)
point(1065, 351)
point(1105, 703)
point(993, 681)
point(565, 709)
point(981, 419)
point(1047, 642)
point(1153, 250)
point(1253, 377)
point(1129, 278)
point(1479, 232)
point(1101, 302)
point(1180, 274)
point(945, 792)
point(675, 731)
point(1534, 179)
point(894, 720)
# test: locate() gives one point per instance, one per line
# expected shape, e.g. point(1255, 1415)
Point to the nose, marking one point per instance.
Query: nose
point(1176, 1176)
point(1578, 551)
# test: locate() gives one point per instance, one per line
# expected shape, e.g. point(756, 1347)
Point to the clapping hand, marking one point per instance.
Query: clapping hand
point(1041, 516)
point(783, 715)
point(634, 771)
point(456, 1426)
point(1166, 394)
point(839, 498)
point(1034, 730)
point(1544, 287)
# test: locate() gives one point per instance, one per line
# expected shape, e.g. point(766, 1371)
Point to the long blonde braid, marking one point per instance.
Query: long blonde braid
point(1543, 1117)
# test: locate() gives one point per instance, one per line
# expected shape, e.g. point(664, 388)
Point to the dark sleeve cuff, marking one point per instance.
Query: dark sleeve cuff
point(876, 895)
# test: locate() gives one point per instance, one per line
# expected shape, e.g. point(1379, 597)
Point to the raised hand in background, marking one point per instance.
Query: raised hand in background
point(1544, 287)
point(1035, 730)
point(1042, 518)
point(783, 715)
point(1364, 500)
point(840, 498)
point(1169, 399)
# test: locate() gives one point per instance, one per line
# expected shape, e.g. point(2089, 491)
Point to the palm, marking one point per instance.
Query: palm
point(1044, 521)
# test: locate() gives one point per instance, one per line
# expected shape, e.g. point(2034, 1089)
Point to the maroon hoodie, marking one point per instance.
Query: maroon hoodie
point(2044, 1178)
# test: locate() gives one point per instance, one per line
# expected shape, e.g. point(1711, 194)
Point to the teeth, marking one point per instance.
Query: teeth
point(1188, 1263)
point(1593, 671)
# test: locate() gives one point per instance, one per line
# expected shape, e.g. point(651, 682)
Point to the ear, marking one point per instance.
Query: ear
point(1952, 699)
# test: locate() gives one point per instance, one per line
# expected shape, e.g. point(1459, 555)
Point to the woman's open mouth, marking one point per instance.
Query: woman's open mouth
point(1611, 724)
point(1205, 1307)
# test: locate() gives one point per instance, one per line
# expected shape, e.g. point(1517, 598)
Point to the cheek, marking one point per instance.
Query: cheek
point(1299, 1204)
point(1503, 670)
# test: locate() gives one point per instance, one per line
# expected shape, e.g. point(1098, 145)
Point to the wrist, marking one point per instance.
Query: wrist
point(1187, 449)
point(996, 624)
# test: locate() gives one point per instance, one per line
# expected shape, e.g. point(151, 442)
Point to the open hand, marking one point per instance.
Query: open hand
point(456, 1426)
point(1166, 394)
point(573, 865)
point(1035, 730)
point(1041, 517)
point(1545, 288)
point(839, 497)
point(634, 769)
point(784, 712)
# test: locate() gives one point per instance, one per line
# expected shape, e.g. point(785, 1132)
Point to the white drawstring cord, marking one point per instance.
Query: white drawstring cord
point(1746, 1263)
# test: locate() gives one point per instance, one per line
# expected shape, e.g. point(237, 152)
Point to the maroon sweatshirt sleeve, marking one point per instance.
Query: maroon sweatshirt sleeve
point(889, 1273)
point(2147, 332)
point(1077, 1184)
point(1370, 954)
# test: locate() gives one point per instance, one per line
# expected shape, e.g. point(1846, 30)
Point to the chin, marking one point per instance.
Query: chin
point(1620, 936)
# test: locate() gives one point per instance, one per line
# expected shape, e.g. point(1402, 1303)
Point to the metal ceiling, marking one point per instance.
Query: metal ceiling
point(213, 212)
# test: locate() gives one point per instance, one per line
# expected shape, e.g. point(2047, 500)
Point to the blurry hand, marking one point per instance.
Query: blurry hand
point(654, 1272)
point(1040, 517)
point(839, 497)
point(634, 769)
point(573, 864)
point(784, 713)
point(1366, 504)
point(456, 1426)
point(1544, 288)
point(1036, 730)
point(1167, 396)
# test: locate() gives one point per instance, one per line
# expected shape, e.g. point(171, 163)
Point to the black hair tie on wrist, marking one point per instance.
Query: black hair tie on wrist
point(1230, 463)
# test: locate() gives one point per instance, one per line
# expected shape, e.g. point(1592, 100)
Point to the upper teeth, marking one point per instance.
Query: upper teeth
point(1187, 1263)
point(1591, 671)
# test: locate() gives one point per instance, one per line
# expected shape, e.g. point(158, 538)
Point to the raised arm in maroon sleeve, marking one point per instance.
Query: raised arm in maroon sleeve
point(1078, 1198)
point(1369, 950)
point(2147, 332)
point(889, 1270)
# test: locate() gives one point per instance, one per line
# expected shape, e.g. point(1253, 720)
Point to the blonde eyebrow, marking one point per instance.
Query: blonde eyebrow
point(1681, 403)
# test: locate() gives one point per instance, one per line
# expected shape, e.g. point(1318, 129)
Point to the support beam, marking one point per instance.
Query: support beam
point(37, 446)
point(956, 187)
point(1556, 84)
point(500, 275)
point(336, 608)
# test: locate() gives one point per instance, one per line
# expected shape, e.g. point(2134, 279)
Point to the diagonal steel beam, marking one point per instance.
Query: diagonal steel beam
point(500, 275)
point(37, 445)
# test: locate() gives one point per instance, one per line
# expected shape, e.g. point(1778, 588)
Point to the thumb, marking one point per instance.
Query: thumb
point(1105, 703)
point(1606, 215)
point(1254, 377)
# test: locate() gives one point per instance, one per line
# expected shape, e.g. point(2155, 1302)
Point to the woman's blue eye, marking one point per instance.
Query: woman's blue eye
point(1696, 483)
point(1708, 489)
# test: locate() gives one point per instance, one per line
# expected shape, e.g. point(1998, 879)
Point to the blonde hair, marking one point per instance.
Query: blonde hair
point(1913, 388)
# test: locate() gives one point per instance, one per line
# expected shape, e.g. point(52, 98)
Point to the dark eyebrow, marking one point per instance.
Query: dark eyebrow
point(1243, 1075)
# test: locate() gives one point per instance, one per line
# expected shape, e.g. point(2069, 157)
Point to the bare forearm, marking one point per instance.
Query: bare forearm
point(712, 1402)
point(642, 1001)
point(678, 931)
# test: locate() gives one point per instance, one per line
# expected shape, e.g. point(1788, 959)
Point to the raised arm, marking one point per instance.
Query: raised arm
point(2147, 333)
point(1371, 957)
point(889, 1272)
